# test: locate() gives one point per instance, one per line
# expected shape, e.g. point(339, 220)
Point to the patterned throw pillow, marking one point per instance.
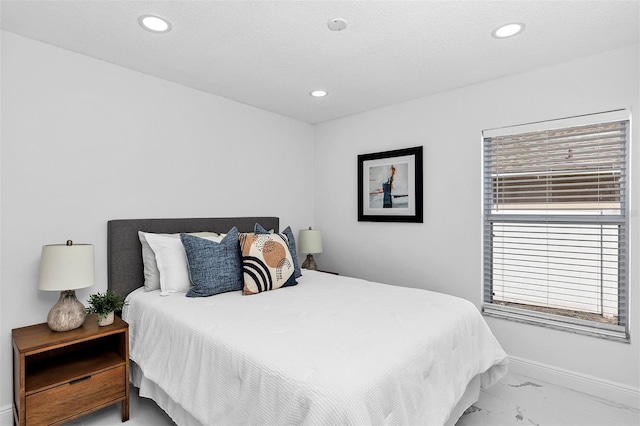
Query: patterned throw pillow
point(266, 262)
point(291, 242)
point(213, 267)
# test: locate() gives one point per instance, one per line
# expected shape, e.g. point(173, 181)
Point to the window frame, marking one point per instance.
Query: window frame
point(618, 332)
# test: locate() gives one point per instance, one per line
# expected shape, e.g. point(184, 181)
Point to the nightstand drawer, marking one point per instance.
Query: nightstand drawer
point(58, 403)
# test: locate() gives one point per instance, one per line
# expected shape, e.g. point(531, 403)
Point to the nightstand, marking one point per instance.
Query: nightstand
point(60, 376)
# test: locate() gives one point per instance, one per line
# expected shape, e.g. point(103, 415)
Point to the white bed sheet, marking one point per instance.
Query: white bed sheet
point(332, 350)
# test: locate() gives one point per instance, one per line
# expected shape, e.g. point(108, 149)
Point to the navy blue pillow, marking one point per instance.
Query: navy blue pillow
point(214, 268)
point(297, 272)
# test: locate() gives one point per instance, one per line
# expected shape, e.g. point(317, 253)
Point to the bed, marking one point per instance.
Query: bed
point(329, 350)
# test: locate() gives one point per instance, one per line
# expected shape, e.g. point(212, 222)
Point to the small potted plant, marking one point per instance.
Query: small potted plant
point(105, 305)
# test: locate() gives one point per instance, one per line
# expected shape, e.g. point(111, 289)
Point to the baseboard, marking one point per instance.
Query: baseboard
point(6, 416)
point(595, 386)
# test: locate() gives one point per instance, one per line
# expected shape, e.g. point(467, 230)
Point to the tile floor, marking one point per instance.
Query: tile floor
point(515, 400)
point(519, 400)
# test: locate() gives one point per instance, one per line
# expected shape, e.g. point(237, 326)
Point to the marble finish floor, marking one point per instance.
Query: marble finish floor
point(519, 400)
point(515, 400)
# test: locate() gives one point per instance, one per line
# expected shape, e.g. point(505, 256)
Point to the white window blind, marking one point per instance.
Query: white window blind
point(556, 226)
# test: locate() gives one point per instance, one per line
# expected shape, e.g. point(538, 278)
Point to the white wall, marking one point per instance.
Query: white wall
point(84, 141)
point(444, 253)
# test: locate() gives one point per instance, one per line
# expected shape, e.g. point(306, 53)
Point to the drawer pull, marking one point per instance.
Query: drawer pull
point(82, 379)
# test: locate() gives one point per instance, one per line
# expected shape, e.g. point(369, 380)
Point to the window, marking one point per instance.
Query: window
point(556, 224)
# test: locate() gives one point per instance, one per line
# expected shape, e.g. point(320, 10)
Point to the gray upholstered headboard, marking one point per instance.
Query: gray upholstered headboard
point(124, 251)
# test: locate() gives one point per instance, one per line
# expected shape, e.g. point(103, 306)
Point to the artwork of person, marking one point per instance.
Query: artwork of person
point(387, 200)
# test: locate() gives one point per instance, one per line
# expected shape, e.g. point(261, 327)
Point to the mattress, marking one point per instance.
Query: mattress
point(331, 350)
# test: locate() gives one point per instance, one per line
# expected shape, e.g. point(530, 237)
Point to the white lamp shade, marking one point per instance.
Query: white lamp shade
point(66, 267)
point(309, 241)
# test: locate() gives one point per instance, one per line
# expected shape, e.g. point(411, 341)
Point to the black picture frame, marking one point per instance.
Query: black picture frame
point(377, 181)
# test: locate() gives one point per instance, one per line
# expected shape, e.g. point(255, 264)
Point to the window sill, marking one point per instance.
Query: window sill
point(589, 328)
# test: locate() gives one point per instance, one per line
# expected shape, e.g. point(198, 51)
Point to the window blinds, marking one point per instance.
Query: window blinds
point(556, 225)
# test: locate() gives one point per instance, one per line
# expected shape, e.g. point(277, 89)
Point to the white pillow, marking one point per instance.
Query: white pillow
point(151, 273)
point(165, 261)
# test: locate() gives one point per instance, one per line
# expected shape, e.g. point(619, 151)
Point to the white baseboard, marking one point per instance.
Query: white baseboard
point(6, 416)
point(595, 386)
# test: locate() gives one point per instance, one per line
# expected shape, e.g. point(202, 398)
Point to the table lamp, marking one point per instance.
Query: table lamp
point(310, 242)
point(65, 268)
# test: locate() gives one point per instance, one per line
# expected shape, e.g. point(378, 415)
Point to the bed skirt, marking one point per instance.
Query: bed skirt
point(149, 389)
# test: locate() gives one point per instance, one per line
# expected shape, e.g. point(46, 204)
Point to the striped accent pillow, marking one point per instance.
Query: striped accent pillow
point(266, 262)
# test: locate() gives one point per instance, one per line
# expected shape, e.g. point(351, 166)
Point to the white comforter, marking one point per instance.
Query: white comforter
point(332, 350)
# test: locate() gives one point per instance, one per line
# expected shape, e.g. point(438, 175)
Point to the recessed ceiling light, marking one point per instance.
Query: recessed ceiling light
point(337, 24)
point(154, 23)
point(318, 93)
point(508, 30)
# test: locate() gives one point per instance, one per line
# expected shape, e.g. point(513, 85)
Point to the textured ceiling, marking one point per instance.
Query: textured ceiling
point(271, 54)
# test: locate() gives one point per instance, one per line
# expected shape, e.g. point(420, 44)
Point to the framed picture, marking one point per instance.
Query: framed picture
point(390, 186)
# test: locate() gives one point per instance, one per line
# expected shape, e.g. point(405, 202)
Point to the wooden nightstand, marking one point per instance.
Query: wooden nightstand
point(60, 376)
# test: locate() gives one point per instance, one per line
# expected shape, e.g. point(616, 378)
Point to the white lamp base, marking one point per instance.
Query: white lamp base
point(67, 314)
point(310, 263)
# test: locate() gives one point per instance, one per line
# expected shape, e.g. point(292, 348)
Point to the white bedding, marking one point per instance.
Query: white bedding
point(331, 350)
